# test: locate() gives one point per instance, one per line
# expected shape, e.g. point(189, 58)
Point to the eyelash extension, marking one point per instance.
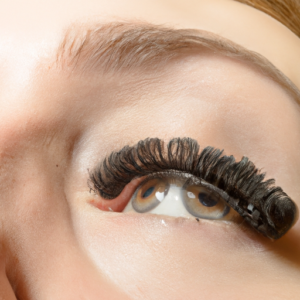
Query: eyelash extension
point(263, 205)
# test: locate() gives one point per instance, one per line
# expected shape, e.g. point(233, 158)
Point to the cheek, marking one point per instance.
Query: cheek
point(164, 256)
point(6, 291)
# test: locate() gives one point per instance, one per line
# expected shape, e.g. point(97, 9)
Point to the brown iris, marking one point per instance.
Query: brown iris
point(203, 203)
point(149, 195)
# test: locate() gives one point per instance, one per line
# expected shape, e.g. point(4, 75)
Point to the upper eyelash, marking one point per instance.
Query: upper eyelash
point(269, 209)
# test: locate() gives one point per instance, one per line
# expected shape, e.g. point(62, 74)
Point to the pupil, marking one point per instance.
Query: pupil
point(206, 200)
point(148, 192)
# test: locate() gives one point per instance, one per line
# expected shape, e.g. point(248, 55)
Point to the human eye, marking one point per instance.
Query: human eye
point(208, 185)
point(180, 194)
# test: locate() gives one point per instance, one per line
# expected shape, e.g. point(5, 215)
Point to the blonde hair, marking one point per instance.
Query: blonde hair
point(285, 11)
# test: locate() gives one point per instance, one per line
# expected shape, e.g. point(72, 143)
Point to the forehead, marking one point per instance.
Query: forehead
point(45, 22)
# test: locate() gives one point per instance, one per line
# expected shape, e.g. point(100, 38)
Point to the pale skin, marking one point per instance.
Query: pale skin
point(55, 125)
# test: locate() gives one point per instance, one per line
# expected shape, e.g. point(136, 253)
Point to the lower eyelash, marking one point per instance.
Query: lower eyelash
point(266, 207)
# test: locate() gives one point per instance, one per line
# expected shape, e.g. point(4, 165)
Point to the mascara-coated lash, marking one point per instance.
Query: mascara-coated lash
point(263, 205)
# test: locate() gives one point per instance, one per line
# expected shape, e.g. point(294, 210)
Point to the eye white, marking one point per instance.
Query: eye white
point(171, 205)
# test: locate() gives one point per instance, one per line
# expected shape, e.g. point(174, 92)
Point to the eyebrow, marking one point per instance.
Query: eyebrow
point(124, 46)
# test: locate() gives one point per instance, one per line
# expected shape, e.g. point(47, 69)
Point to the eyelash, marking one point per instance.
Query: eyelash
point(264, 206)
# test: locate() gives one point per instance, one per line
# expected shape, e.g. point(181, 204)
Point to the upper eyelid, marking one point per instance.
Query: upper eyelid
point(242, 181)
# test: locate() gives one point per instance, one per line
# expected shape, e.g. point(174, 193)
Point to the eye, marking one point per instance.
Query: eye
point(203, 203)
point(213, 185)
point(180, 195)
point(149, 195)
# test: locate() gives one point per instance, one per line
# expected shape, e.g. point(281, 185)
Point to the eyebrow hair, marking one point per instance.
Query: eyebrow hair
point(124, 46)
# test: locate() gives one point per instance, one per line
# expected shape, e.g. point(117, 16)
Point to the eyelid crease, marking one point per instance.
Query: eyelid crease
point(263, 205)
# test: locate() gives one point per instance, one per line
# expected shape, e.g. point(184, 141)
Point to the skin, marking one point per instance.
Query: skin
point(55, 126)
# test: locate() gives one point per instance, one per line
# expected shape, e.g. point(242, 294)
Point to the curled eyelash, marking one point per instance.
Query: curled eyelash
point(262, 204)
